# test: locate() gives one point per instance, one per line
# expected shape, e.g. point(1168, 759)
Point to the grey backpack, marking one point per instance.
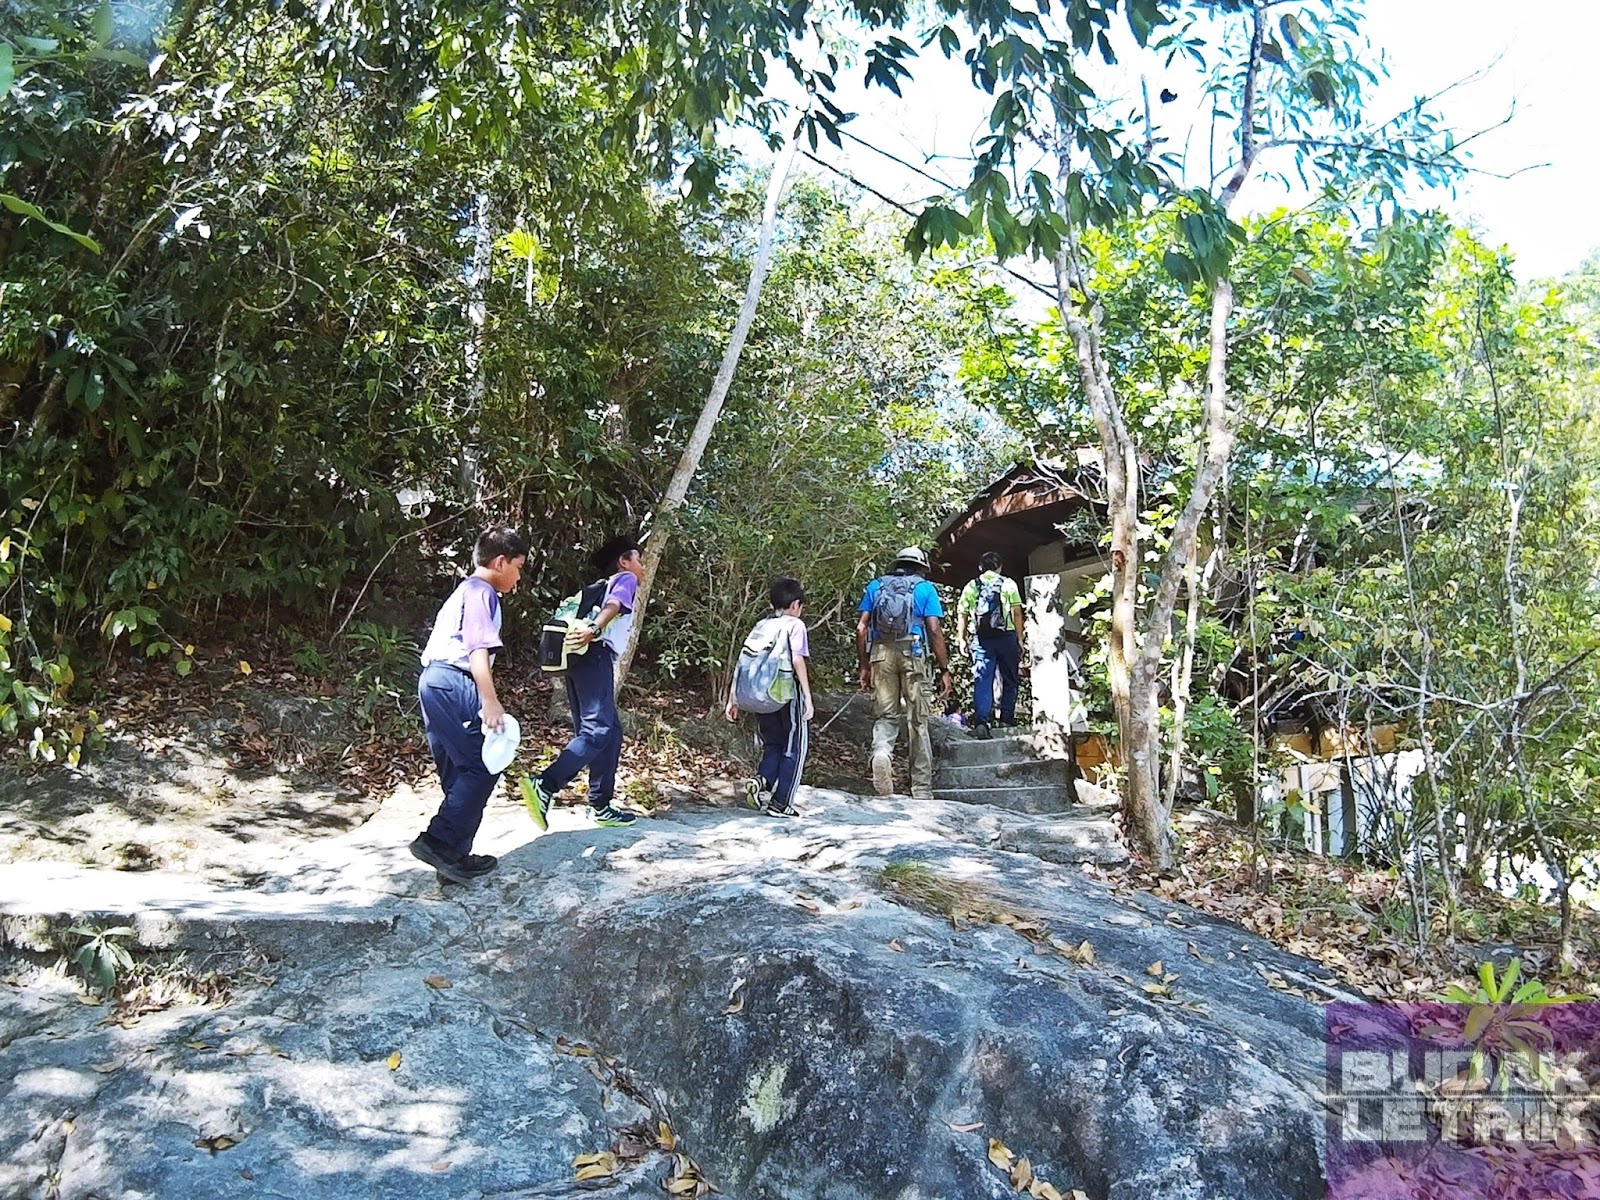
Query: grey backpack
point(763, 678)
point(892, 607)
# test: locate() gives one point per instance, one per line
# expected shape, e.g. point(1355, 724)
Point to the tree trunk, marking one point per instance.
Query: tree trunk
point(689, 461)
point(1133, 689)
point(477, 319)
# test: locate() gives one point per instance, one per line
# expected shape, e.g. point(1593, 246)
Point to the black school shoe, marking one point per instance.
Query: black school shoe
point(445, 861)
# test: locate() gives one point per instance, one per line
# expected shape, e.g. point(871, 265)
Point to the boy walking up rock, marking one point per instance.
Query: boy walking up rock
point(457, 695)
point(596, 743)
point(785, 735)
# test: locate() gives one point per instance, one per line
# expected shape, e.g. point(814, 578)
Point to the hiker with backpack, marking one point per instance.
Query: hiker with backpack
point(771, 681)
point(900, 629)
point(592, 641)
point(991, 608)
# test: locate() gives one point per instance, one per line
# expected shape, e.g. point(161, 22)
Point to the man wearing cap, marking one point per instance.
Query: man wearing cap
point(900, 629)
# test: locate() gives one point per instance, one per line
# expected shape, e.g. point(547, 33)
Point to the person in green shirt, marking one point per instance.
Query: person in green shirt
point(990, 610)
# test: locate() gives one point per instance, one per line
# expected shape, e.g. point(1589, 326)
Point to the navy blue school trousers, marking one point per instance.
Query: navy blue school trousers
point(1002, 653)
point(596, 725)
point(784, 741)
point(450, 704)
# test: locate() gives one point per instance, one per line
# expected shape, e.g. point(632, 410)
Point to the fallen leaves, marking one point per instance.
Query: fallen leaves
point(735, 1001)
point(437, 981)
point(219, 1141)
point(1019, 1171)
point(393, 1061)
point(684, 1178)
point(600, 1165)
point(1082, 954)
point(894, 944)
point(967, 1128)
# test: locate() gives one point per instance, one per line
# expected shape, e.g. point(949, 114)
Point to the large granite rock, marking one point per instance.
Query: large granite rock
point(791, 997)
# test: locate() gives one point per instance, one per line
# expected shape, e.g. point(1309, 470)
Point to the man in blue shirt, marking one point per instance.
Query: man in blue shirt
point(901, 627)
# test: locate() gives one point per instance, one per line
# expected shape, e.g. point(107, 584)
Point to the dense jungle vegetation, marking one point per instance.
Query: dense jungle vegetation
point(293, 298)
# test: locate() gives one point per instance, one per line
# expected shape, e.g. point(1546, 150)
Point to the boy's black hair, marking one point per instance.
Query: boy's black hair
point(990, 560)
point(784, 592)
point(604, 560)
point(498, 540)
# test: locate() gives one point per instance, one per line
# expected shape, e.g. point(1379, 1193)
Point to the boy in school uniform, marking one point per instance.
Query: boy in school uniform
point(591, 690)
point(785, 733)
point(457, 695)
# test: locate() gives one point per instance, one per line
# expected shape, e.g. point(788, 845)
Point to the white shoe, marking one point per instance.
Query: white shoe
point(882, 775)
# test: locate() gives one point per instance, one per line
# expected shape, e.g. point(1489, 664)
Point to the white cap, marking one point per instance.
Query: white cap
point(500, 745)
point(912, 555)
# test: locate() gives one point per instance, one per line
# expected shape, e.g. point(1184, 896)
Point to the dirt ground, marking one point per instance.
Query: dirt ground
point(218, 781)
point(189, 791)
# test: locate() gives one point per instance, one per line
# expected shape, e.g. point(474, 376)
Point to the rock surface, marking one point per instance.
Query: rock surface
point(792, 997)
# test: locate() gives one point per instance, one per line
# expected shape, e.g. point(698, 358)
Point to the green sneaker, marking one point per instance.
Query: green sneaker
point(613, 816)
point(538, 801)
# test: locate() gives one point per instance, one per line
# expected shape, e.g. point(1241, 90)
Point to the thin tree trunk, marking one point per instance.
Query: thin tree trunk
point(689, 460)
point(477, 320)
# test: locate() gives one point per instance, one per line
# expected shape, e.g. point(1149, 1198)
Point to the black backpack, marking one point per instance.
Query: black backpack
point(582, 605)
point(993, 620)
point(892, 606)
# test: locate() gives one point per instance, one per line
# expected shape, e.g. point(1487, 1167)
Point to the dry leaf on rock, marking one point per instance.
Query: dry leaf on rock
point(968, 1128)
point(221, 1141)
point(600, 1165)
point(1040, 1190)
point(1022, 1175)
point(894, 944)
point(394, 1061)
point(105, 1068)
point(441, 1166)
point(630, 1149)
point(999, 1155)
point(437, 981)
point(665, 1138)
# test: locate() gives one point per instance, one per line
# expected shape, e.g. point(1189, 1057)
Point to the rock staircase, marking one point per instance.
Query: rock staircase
point(1068, 825)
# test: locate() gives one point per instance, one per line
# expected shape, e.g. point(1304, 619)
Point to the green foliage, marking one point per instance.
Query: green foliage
point(841, 442)
point(382, 677)
point(1506, 987)
point(100, 957)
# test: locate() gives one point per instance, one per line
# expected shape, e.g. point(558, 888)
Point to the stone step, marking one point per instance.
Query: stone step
point(1015, 799)
point(1032, 772)
point(1068, 840)
point(964, 750)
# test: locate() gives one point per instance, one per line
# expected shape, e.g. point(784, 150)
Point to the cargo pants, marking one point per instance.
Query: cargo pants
point(899, 679)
